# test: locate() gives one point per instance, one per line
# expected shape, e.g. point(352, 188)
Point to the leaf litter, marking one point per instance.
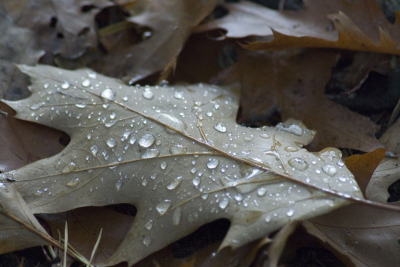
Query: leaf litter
point(182, 145)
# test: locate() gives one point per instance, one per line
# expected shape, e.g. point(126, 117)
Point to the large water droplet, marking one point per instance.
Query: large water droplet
point(223, 203)
point(70, 167)
point(298, 164)
point(261, 191)
point(293, 128)
point(196, 181)
point(291, 149)
point(176, 216)
point(81, 105)
point(108, 94)
point(86, 83)
point(212, 164)
point(177, 149)
point(264, 135)
point(147, 241)
point(220, 127)
point(329, 169)
point(163, 206)
point(174, 183)
point(178, 95)
point(125, 135)
point(73, 182)
point(111, 142)
point(163, 165)
point(132, 140)
point(148, 94)
point(147, 140)
point(118, 184)
point(149, 225)
point(94, 149)
point(290, 213)
point(150, 153)
point(65, 85)
point(172, 121)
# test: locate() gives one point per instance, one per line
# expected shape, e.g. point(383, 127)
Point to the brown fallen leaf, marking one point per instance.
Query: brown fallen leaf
point(17, 46)
point(388, 171)
point(293, 82)
point(19, 228)
point(84, 226)
point(63, 28)
point(357, 25)
point(367, 236)
point(178, 155)
point(363, 166)
point(171, 23)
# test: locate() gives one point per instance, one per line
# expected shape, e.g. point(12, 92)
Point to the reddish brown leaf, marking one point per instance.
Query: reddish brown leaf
point(294, 81)
point(363, 166)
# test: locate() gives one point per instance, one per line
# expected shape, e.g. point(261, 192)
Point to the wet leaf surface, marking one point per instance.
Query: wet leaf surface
point(177, 155)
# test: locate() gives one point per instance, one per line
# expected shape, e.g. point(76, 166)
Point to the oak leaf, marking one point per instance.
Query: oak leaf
point(178, 155)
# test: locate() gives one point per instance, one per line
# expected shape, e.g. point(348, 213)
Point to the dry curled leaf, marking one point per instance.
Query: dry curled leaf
point(178, 155)
point(171, 23)
point(356, 25)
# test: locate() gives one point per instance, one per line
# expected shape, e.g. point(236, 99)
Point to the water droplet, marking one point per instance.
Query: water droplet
point(108, 94)
point(239, 197)
point(38, 193)
point(125, 98)
point(178, 95)
point(86, 83)
point(209, 114)
point(329, 169)
point(265, 136)
point(340, 163)
point(46, 85)
point(148, 94)
point(147, 140)
point(70, 167)
point(109, 124)
point(144, 182)
point(220, 127)
point(342, 179)
point(204, 196)
point(268, 219)
point(175, 183)
point(89, 136)
point(163, 206)
point(94, 149)
point(147, 241)
point(172, 121)
point(81, 105)
point(291, 149)
point(298, 164)
point(290, 213)
point(118, 184)
point(73, 183)
point(132, 140)
point(177, 149)
point(196, 181)
point(224, 203)
point(111, 142)
point(150, 153)
point(163, 165)
point(113, 115)
point(293, 128)
point(65, 85)
point(125, 135)
point(248, 138)
point(149, 225)
point(212, 164)
point(176, 216)
point(261, 191)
